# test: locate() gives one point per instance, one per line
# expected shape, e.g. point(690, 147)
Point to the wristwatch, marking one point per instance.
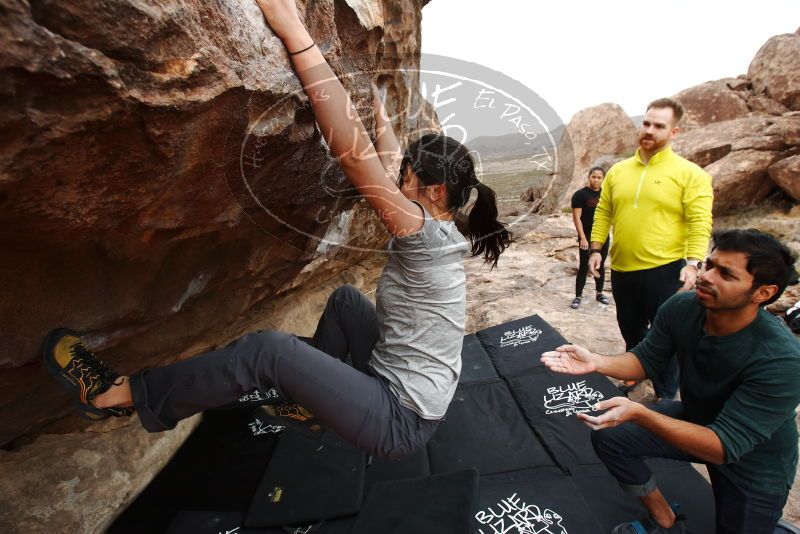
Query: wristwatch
point(697, 264)
point(597, 250)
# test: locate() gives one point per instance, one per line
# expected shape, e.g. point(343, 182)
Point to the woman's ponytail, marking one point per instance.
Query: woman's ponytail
point(438, 159)
point(487, 235)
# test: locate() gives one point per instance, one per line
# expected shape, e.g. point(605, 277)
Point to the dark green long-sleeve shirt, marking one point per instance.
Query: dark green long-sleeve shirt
point(744, 386)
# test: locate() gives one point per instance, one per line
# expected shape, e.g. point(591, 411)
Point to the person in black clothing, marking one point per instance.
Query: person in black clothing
point(584, 202)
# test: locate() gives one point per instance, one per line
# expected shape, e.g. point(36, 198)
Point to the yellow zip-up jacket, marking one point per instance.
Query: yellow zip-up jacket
point(661, 212)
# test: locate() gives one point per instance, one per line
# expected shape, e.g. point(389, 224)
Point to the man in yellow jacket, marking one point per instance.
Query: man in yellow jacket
point(659, 205)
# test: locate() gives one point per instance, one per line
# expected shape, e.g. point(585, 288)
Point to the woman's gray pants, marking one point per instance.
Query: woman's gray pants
point(350, 400)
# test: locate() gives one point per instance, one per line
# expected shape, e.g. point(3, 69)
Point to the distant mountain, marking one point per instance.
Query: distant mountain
point(512, 145)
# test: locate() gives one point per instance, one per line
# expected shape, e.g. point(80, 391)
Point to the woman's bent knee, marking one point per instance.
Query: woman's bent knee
point(345, 293)
point(266, 342)
point(409, 444)
point(600, 440)
point(272, 338)
point(395, 453)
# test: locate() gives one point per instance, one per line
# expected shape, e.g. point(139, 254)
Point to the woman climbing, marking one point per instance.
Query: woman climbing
point(405, 351)
point(584, 202)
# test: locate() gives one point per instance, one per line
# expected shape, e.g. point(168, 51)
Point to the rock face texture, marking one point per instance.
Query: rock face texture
point(786, 174)
point(75, 482)
point(775, 71)
point(163, 186)
point(738, 144)
point(744, 131)
point(600, 135)
point(738, 153)
point(711, 102)
point(161, 175)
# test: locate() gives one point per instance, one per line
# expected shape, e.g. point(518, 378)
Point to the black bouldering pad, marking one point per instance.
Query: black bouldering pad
point(206, 522)
point(534, 500)
point(511, 420)
point(550, 401)
point(308, 479)
point(518, 345)
point(475, 363)
point(218, 467)
point(415, 465)
point(679, 482)
point(212, 522)
point(484, 428)
point(443, 504)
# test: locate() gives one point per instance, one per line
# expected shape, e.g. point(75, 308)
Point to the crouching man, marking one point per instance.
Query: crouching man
point(740, 385)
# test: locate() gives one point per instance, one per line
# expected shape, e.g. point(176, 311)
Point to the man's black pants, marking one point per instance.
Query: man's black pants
point(583, 269)
point(350, 400)
point(738, 510)
point(638, 295)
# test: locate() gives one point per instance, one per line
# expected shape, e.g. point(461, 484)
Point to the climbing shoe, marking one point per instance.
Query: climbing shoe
point(576, 302)
point(78, 370)
point(292, 415)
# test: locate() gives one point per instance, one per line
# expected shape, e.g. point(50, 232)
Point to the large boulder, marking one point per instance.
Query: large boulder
point(741, 179)
point(786, 174)
point(164, 187)
point(756, 131)
point(764, 104)
point(161, 176)
point(714, 101)
point(738, 153)
point(775, 70)
point(599, 135)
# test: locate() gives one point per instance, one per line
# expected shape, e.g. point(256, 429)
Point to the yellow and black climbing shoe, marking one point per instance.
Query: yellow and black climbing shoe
point(292, 415)
point(73, 365)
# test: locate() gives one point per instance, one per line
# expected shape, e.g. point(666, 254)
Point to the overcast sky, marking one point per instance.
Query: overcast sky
point(576, 54)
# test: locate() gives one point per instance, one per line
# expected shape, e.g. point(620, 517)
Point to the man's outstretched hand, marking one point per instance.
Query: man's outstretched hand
point(688, 277)
point(594, 264)
point(620, 410)
point(570, 359)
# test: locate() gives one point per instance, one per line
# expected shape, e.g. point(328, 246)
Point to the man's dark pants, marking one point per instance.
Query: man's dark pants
point(738, 510)
point(638, 295)
point(583, 269)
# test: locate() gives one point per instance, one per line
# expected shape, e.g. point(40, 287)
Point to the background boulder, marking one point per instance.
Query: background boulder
point(600, 135)
point(741, 179)
point(738, 153)
point(775, 70)
point(786, 174)
point(713, 101)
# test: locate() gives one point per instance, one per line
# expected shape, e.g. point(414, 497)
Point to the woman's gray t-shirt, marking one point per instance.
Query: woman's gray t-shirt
point(421, 303)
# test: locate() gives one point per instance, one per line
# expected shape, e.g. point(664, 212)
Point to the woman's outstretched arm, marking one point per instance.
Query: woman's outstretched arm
point(385, 140)
point(340, 123)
